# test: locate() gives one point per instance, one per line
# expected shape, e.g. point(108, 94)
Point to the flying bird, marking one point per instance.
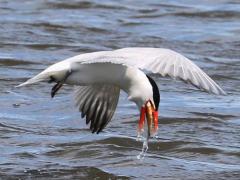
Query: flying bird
point(99, 77)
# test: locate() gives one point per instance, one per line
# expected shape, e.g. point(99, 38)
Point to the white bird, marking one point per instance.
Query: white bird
point(99, 77)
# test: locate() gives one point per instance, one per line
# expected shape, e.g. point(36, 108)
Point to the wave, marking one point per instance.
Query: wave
point(83, 5)
point(195, 14)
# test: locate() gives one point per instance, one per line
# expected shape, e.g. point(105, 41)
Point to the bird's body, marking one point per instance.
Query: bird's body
point(129, 79)
point(100, 76)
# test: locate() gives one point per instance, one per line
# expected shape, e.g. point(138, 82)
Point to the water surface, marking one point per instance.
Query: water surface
point(46, 138)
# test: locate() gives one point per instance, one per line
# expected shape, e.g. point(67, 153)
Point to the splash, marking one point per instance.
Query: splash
point(144, 148)
point(145, 135)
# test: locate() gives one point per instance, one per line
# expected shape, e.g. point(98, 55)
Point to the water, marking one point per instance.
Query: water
point(45, 138)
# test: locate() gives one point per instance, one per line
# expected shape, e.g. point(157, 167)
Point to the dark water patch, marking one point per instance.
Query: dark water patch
point(224, 77)
point(216, 128)
point(7, 8)
point(228, 54)
point(24, 155)
point(67, 151)
point(169, 5)
point(45, 46)
point(42, 27)
point(121, 142)
point(75, 150)
point(29, 144)
point(147, 11)
point(9, 80)
point(223, 61)
point(89, 48)
point(200, 150)
point(198, 133)
point(71, 130)
point(85, 5)
point(97, 30)
point(234, 175)
point(77, 172)
point(203, 118)
point(73, 144)
point(59, 27)
point(167, 146)
point(218, 116)
point(118, 141)
point(12, 128)
point(14, 62)
point(90, 152)
point(73, 5)
point(148, 16)
point(196, 120)
point(210, 14)
point(37, 46)
point(234, 153)
point(48, 25)
point(204, 14)
point(131, 23)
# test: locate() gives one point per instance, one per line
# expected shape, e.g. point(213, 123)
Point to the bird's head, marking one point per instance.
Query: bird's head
point(150, 111)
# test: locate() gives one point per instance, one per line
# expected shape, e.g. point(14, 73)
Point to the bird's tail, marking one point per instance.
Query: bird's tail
point(43, 76)
point(58, 70)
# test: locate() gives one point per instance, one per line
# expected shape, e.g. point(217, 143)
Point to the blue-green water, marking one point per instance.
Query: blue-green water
point(40, 137)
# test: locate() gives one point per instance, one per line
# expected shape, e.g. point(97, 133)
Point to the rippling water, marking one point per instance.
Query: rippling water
point(40, 137)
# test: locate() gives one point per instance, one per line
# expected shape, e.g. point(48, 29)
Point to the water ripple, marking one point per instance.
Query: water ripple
point(45, 138)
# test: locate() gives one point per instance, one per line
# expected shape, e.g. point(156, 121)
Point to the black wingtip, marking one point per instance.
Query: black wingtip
point(82, 115)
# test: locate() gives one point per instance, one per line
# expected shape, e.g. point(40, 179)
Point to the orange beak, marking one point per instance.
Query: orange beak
point(148, 111)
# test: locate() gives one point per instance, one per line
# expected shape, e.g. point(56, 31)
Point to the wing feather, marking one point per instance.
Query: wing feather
point(156, 60)
point(98, 103)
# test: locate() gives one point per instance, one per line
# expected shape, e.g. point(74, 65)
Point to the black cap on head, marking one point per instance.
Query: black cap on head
point(156, 94)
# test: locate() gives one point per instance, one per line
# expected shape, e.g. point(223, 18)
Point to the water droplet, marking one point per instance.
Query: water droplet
point(144, 149)
point(16, 105)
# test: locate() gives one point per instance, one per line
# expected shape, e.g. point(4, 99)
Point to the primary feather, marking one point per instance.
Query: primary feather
point(97, 103)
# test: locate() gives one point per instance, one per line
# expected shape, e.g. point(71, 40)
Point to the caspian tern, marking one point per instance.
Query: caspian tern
point(99, 77)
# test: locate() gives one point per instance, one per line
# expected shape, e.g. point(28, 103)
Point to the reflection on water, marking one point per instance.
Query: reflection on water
point(45, 138)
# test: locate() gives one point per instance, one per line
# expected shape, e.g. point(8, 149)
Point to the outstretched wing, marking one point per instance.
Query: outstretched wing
point(156, 60)
point(97, 103)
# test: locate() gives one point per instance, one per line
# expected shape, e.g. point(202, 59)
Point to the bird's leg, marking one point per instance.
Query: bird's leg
point(59, 84)
point(55, 88)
